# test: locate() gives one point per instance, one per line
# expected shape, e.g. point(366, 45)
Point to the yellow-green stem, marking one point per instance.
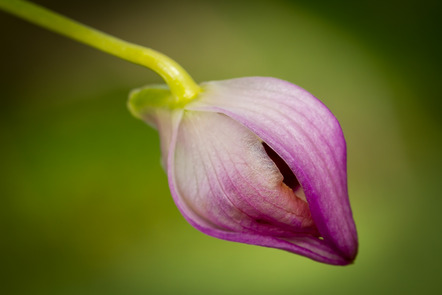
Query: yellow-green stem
point(180, 83)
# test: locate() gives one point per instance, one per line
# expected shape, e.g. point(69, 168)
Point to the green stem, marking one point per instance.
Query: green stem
point(180, 83)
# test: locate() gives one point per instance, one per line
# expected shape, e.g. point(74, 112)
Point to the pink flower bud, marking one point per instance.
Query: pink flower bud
point(258, 161)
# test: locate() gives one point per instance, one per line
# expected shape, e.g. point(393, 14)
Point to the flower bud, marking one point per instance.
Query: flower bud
point(258, 161)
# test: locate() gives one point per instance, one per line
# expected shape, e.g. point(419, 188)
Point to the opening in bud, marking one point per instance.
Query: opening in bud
point(290, 180)
point(289, 177)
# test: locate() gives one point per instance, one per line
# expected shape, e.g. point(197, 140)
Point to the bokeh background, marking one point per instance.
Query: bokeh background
point(84, 203)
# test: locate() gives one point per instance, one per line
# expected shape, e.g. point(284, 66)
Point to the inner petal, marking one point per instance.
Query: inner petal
point(289, 177)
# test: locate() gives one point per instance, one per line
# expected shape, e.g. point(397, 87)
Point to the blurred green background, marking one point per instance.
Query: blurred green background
point(84, 203)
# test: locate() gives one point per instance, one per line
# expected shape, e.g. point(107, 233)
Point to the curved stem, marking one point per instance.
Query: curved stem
point(179, 81)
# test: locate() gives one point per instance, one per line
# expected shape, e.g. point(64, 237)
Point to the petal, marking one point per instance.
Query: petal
point(226, 186)
point(306, 135)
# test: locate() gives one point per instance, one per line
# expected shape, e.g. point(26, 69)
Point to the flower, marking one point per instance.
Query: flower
point(259, 161)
